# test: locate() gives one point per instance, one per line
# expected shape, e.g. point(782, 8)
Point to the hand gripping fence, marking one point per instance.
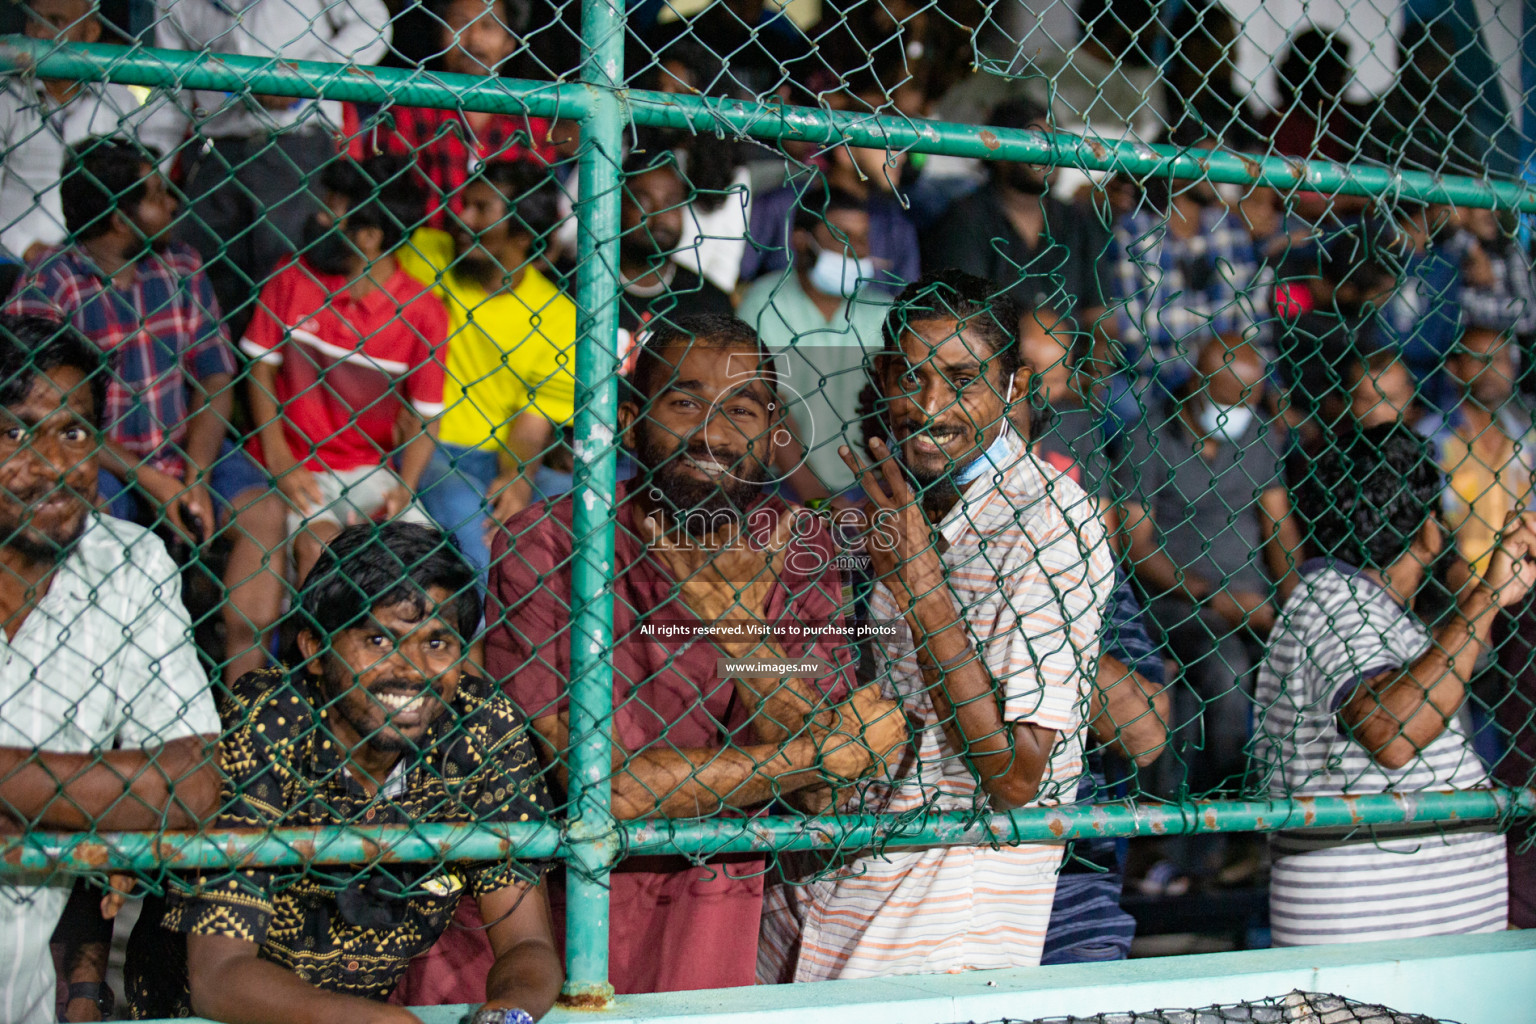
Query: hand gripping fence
point(1200, 240)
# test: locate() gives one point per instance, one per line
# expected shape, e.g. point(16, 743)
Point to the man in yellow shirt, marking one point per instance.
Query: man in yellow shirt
point(511, 354)
point(1486, 444)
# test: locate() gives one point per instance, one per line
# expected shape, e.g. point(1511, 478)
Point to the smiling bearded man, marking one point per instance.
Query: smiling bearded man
point(697, 731)
point(378, 726)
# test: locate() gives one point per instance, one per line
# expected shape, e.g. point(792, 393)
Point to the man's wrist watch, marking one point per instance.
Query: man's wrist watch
point(97, 993)
point(489, 1016)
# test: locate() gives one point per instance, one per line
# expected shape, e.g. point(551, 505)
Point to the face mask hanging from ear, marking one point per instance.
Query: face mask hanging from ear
point(835, 273)
point(1224, 422)
point(1001, 453)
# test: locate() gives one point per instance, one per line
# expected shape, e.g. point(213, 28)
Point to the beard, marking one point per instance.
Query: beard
point(1026, 179)
point(645, 247)
point(475, 268)
point(336, 681)
point(39, 544)
point(936, 491)
point(699, 504)
point(326, 248)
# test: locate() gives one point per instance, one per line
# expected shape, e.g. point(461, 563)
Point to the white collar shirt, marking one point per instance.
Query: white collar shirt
point(35, 133)
point(356, 32)
point(105, 659)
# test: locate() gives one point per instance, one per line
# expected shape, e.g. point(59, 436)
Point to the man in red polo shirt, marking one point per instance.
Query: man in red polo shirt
point(349, 353)
point(691, 740)
point(448, 146)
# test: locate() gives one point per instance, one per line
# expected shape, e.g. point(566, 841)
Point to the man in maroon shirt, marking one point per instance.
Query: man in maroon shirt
point(690, 739)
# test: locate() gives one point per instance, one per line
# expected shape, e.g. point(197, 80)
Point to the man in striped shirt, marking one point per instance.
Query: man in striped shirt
point(1358, 697)
point(996, 571)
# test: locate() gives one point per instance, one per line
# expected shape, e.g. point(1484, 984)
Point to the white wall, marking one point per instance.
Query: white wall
point(1369, 26)
point(1044, 25)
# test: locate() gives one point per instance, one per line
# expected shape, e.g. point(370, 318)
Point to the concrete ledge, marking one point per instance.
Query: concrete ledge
point(1471, 979)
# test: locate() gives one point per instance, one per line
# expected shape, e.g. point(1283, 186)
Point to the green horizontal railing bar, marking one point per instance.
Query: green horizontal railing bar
point(1076, 821)
point(1137, 159)
point(228, 73)
point(284, 847)
point(188, 69)
point(279, 847)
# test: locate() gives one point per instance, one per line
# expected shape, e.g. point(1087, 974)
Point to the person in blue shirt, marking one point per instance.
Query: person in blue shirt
point(1420, 318)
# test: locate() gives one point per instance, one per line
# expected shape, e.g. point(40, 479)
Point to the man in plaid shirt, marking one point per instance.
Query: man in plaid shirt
point(1185, 270)
point(146, 302)
point(447, 146)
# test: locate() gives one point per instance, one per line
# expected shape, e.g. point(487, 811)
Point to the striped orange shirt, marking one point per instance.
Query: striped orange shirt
point(1029, 566)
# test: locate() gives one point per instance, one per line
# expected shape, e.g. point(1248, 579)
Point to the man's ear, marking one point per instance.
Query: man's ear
point(629, 415)
point(1023, 382)
point(309, 646)
point(92, 29)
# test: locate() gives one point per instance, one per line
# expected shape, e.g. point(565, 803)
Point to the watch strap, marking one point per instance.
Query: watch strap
point(96, 992)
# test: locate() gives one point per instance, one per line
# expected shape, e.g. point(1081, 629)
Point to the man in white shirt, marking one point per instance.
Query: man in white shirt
point(108, 720)
point(251, 155)
point(40, 118)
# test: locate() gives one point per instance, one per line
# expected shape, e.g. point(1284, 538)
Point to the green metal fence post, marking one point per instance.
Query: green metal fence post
point(592, 828)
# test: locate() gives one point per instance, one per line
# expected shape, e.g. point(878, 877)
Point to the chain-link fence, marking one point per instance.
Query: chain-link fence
point(851, 465)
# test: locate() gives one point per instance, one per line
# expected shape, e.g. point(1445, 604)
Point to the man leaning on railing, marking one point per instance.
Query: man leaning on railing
point(378, 725)
point(996, 571)
point(705, 556)
point(108, 717)
point(1358, 696)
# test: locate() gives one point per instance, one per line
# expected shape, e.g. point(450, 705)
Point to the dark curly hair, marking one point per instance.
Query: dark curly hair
point(1367, 495)
point(382, 192)
point(368, 566)
point(952, 294)
point(31, 346)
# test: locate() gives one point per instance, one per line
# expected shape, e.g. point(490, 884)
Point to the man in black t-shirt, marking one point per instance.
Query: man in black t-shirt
point(1041, 251)
point(655, 285)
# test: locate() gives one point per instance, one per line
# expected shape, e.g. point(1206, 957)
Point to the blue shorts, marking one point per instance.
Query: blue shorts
point(232, 474)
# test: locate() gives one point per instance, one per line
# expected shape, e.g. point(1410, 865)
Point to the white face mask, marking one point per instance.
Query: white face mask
point(1228, 422)
point(835, 273)
point(1230, 193)
point(1000, 454)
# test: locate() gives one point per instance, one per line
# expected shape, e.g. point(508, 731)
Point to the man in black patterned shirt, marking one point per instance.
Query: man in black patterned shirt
point(378, 726)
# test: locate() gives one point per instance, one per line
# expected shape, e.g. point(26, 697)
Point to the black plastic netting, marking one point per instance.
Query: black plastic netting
point(1293, 1008)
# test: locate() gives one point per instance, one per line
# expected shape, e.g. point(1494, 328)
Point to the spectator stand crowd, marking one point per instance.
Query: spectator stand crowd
point(1084, 462)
